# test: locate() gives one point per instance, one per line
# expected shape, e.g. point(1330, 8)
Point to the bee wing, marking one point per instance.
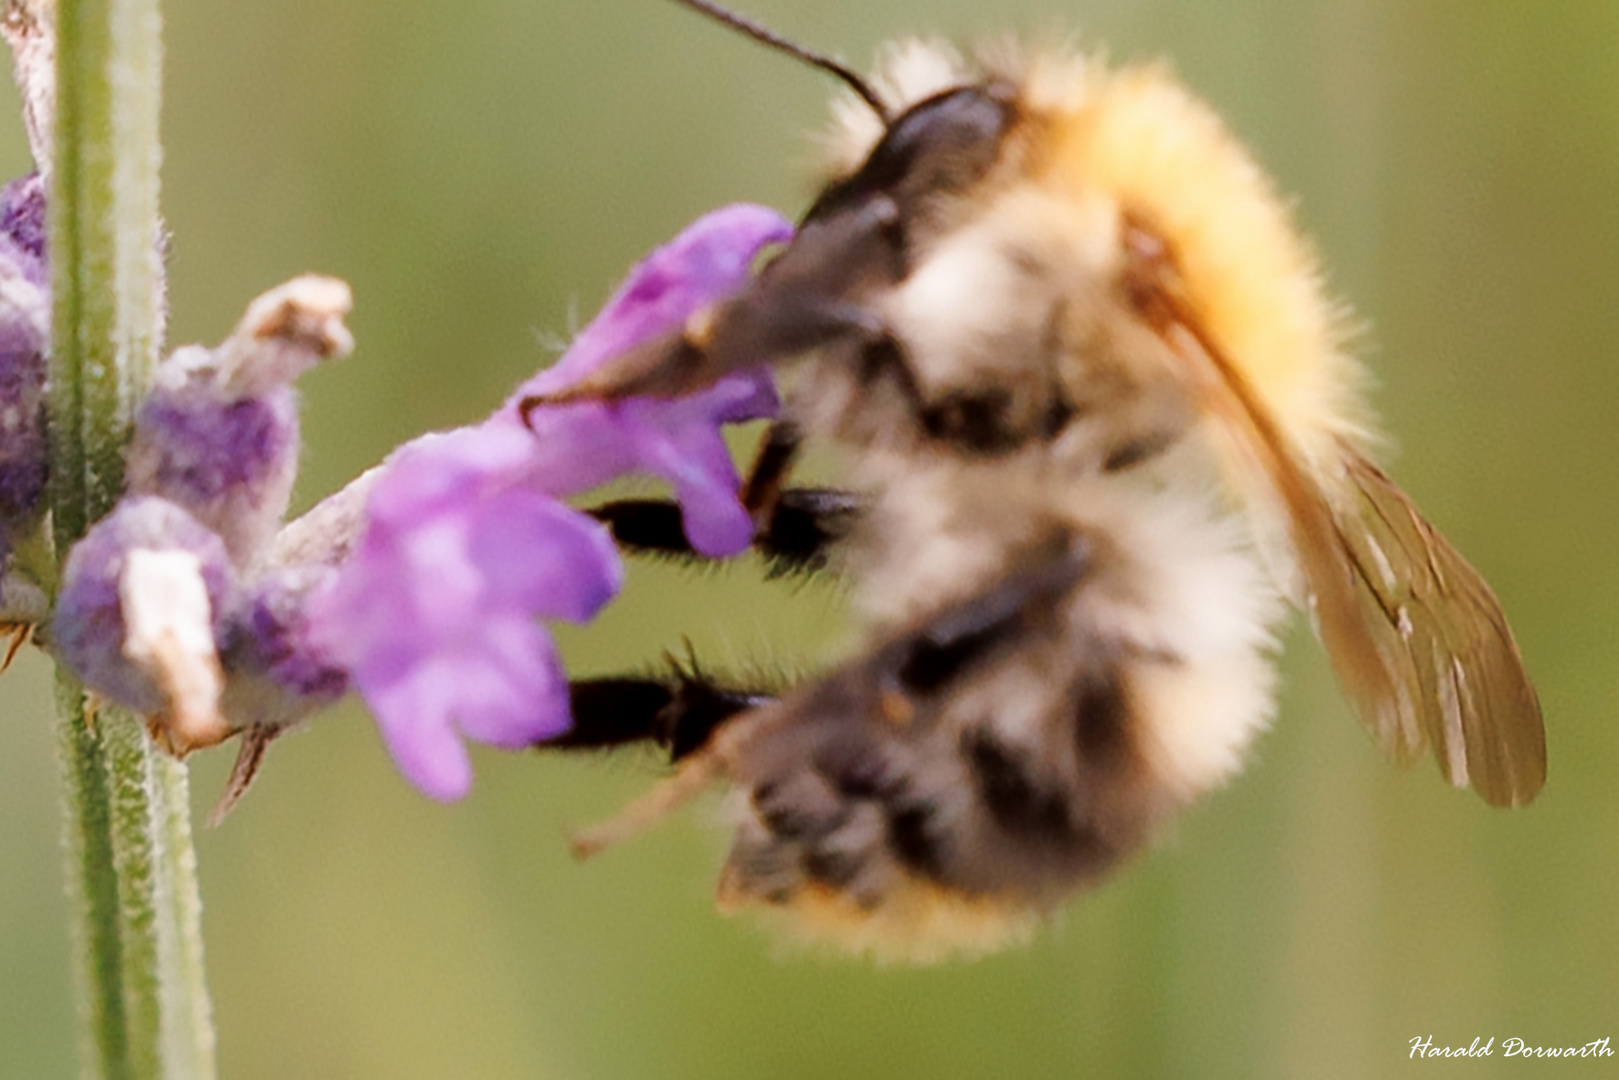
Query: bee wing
point(1459, 681)
point(1416, 637)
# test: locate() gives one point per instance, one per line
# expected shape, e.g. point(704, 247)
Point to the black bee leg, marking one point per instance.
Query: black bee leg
point(680, 713)
point(778, 453)
point(677, 712)
point(797, 538)
point(794, 528)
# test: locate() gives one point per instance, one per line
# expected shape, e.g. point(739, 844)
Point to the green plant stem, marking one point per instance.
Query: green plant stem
point(144, 1004)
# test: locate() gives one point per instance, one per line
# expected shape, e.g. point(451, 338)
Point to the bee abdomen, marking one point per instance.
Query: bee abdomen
point(878, 810)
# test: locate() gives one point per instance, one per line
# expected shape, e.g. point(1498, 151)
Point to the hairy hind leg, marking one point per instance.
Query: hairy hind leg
point(677, 712)
point(901, 679)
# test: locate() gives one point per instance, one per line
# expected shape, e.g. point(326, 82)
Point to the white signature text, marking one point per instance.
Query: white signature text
point(1422, 1047)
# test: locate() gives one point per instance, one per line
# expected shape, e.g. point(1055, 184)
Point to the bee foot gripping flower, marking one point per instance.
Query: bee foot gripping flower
point(466, 544)
point(424, 582)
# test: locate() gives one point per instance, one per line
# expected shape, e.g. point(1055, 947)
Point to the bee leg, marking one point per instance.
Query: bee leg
point(925, 661)
point(796, 538)
point(794, 528)
point(677, 712)
point(680, 713)
point(778, 453)
point(754, 742)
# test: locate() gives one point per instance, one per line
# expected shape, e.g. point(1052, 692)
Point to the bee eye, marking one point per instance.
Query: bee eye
point(941, 145)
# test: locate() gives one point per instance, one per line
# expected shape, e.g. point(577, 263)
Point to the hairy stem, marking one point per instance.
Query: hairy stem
point(144, 1004)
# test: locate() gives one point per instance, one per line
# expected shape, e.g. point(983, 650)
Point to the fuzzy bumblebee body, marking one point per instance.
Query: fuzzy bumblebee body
point(1097, 405)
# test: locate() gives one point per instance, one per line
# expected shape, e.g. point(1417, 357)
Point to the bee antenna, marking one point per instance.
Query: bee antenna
point(775, 41)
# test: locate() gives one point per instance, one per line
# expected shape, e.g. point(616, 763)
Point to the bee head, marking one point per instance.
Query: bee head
point(856, 240)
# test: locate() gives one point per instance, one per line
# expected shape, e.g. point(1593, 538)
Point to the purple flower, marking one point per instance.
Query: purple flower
point(466, 545)
point(218, 434)
point(24, 335)
point(91, 627)
point(23, 449)
point(267, 640)
point(188, 606)
point(22, 221)
point(434, 613)
point(218, 457)
point(586, 444)
point(168, 605)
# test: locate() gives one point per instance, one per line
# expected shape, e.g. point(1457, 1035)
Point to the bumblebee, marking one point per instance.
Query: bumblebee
point(1102, 428)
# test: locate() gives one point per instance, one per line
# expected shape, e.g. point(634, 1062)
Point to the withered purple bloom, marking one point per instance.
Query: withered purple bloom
point(218, 434)
point(267, 641)
point(91, 628)
point(22, 221)
point(24, 334)
point(169, 605)
point(466, 544)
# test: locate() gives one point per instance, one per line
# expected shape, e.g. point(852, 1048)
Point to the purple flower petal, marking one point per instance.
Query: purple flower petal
point(23, 442)
point(268, 637)
point(532, 549)
point(224, 460)
point(519, 656)
point(708, 261)
point(676, 439)
point(411, 715)
point(218, 434)
point(434, 614)
point(22, 221)
point(508, 691)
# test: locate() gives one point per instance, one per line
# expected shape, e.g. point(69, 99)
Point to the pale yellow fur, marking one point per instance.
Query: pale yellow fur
point(918, 923)
point(1137, 137)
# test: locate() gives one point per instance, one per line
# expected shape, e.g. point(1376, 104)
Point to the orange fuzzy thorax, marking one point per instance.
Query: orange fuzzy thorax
point(1137, 137)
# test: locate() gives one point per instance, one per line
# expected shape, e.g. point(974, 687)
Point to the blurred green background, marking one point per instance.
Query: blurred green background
point(482, 173)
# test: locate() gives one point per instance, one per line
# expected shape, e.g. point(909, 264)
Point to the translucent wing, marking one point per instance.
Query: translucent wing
point(1459, 683)
point(1416, 637)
